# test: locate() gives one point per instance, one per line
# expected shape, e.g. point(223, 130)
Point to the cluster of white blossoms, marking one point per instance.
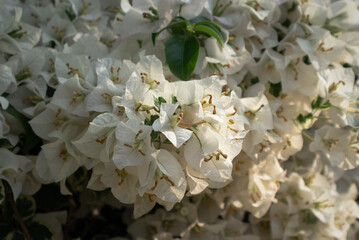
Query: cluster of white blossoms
point(261, 142)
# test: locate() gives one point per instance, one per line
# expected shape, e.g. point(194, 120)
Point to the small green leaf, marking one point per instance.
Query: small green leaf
point(158, 101)
point(275, 89)
point(2, 192)
point(301, 118)
point(334, 30)
point(31, 138)
point(210, 31)
point(310, 218)
point(327, 104)
point(70, 13)
point(174, 99)
point(254, 80)
point(286, 23)
point(306, 60)
point(346, 65)
point(39, 232)
point(181, 55)
point(26, 206)
point(154, 37)
point(317, 103)
point(149, 121)
point(155, 135)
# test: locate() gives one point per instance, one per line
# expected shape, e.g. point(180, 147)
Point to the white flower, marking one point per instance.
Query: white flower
point(144, 17)
point(321, 47)
point(97, 142)
point(262, 186)
point(58, 29)
point(60, 158)
point(169, 182)
point(258, 113)
point(88, 45)
point(7, 79)
point(122, 182)
point(168, 122)
point(100, 98)
point(336, 143)
point(27, 65)
point(30, 97)
point(68, 65)
point(71, 94)
point(48, 124)
point(13, 169)
point(133, 144)
point(337, 85)
point(137, 99)
point(116, 71)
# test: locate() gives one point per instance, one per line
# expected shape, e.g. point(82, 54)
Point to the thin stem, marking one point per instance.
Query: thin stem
point(307, 136)
point(10, 198)
point(323, 118)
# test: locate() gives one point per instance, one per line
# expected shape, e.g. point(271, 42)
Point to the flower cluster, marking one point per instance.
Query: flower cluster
point(260, 142)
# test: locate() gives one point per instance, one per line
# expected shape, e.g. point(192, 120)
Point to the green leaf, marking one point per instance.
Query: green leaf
point(310, 218)
point(174, 99)
point(155, 135)
point(31, 138)
point(210, 31)
point(70, 13)
point(158, 101)
point(149, 121)
point(327, 104)
point(39, 232)
point(154, 37)
point(2, 192)
point(275, 89)
point(334, 30)
point(306, 60)
point(346, 65)
point(254, 80)
point(317, 103)
point(181, 55)
point(26, 206)
point(302, 119)
point(176, 27)
point(287, 23)
point(212, 24)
